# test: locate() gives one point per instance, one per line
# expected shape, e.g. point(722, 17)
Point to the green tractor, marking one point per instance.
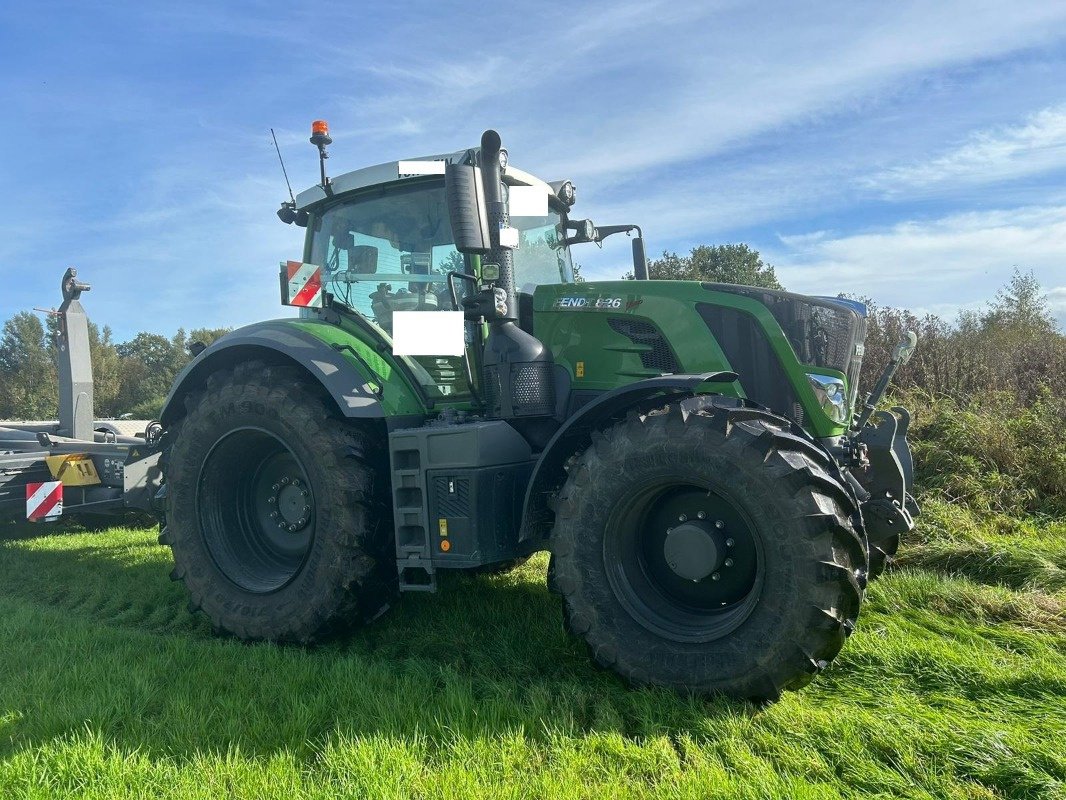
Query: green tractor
point(696, 458)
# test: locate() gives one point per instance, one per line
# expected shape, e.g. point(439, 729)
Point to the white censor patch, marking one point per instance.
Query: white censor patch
point(44, 500)
point(527, 201)
point(428, 333)
point(406, 169)
point(509, 237)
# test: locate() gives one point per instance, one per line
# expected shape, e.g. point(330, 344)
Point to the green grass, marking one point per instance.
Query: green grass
point(953, 686)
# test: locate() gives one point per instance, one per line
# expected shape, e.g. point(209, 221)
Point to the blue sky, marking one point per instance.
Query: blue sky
point(912, 152)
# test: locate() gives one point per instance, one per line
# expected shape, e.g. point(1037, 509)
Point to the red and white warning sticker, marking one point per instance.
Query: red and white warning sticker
point(44, 500)
point(304, 284)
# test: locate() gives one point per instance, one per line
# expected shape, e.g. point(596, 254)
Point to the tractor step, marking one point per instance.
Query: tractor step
point(457, 491)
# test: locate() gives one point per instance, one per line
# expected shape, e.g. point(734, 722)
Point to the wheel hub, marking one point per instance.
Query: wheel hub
point(694, 550)
point(257, 510)
point(293, 503)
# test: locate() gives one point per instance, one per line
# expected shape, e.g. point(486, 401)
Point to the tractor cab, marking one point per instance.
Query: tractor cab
point(383, 241)
point(391, 248)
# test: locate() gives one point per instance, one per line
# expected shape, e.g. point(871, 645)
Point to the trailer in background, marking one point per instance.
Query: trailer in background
point(77, 464)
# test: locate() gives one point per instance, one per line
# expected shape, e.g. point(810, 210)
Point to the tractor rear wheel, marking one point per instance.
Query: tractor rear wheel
point(277, 511)
point(709, 550)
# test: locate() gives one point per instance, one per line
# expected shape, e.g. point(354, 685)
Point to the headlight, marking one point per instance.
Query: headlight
point(832, 396)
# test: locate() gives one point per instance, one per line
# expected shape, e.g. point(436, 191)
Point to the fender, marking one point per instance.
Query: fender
point(354, 387)
point(605, 410)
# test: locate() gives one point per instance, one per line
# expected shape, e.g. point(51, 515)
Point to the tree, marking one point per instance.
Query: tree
point(207, 336)
point(107, 370)
point(28, 383)
point(722, 263)
point(148, 365)
point(1021, 306)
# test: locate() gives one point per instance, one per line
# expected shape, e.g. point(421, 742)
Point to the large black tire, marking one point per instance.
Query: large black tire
point(774, 618)
point(261, 448)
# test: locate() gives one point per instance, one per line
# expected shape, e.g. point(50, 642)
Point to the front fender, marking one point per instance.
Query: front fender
point(549, 472)
point(354, 386)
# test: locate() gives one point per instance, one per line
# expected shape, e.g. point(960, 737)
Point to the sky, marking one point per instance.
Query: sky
point(911, 152)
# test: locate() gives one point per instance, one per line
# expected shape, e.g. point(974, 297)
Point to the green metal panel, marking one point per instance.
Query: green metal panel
point(398, 396)
point(573, 321)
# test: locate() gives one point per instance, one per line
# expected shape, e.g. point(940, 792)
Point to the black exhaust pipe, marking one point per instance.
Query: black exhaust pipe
point(518, 370)
point(499, 218)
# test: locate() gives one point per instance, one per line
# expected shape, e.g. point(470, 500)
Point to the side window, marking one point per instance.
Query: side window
point(541, 258)
point(389, 251)
point(374, 277)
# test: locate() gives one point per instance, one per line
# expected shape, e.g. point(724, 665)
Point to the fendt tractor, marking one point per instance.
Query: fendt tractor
point(712, 489)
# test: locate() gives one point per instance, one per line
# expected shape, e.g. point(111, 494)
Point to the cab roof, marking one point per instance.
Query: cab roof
point(390, 172)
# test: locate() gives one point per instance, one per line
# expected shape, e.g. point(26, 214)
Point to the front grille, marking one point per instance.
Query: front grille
point(749, 353)
point(660, 357)
point(531, 389)
point(821, 332)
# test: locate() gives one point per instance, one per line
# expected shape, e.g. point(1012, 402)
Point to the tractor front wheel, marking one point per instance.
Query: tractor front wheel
point(277, 511)
point(709, 550)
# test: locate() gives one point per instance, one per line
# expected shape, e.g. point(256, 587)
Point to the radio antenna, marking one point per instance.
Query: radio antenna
point(283, 171)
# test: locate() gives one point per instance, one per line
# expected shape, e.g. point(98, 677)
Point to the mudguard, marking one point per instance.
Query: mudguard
point(354, 388)
point(605, 410)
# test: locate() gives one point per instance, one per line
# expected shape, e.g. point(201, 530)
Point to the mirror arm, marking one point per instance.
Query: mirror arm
point(640, 258)
point(610, 230)
point(451, 286)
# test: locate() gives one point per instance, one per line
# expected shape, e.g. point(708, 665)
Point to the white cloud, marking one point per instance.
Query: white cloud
point(646, 85)
point(1006, 153)
point(953, 261)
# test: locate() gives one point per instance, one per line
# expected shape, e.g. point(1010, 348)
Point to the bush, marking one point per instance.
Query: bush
point(994, 452)
point(1014, 345)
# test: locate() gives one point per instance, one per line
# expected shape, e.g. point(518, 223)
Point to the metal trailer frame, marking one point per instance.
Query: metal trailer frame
point(105, 466)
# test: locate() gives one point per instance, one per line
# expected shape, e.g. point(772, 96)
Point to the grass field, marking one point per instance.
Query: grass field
point(953, 686)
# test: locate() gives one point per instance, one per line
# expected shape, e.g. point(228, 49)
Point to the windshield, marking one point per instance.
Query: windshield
point(390, 250)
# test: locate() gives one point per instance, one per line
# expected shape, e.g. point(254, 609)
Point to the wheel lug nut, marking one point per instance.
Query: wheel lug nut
point(729, 543)
point(273, 514)
point(729, 562)
point(306, 509)
point(281, 524)
point(296, 482)
point(271, 499)
point(716, 577)
point(301, 522)
point(719, 524)
point(276, 486)
point(292, 528)
point(285, 481)
point(702, 515)
point(304, 493)
point(669, 530)
point(682, 518)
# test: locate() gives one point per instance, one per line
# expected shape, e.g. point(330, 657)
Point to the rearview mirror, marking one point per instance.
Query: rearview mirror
point(465, 194)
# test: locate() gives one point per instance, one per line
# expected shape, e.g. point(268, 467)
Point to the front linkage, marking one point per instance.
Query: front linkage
point(881, 467)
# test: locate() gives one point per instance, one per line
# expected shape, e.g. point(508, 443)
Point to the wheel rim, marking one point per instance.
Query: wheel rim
point(684, 561)
point(256, 510)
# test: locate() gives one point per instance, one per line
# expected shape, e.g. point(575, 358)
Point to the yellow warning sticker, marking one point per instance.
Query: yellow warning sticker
point(442, 525)
point(73, 470)
point(579, 369)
